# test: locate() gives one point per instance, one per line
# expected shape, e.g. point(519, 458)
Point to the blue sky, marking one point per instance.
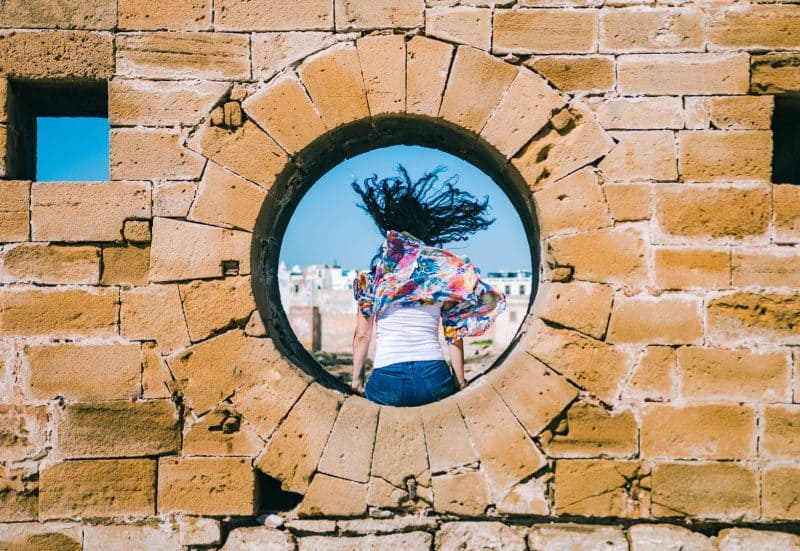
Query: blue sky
point(72, 149)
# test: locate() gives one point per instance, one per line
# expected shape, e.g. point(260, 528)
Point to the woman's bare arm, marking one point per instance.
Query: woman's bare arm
point(361, 339)
point(456, 349)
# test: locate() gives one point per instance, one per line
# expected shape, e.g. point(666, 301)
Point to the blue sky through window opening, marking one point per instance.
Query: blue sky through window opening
point(72, 149)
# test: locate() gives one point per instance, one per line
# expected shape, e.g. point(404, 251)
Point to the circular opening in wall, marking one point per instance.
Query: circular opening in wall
point(312, 238)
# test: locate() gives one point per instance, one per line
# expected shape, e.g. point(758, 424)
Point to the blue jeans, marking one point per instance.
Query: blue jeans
point(410, 383)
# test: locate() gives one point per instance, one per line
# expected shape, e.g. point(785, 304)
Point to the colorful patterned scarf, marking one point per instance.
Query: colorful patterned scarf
point(409, 272)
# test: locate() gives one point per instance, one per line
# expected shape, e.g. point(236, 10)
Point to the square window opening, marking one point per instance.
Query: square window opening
point(786, 140)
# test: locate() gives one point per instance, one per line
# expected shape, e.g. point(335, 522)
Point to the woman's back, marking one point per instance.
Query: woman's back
point(407, 333)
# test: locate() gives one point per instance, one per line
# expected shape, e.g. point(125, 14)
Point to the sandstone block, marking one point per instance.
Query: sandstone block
point(461, 24)
point(658, 537)
point(119, 429)
point(175, 55)
point(371, 14)
point(331, 496)
point(65, 312)
point(295, 449)
point(641, 154)
point(211, 306)
point(23, 429)
point(125, 265)
point(669, 319)
point(709, 490)
point(577, 73)
point(584, 307)
point(84, 372)
point(751, 317)
point(613, 255)
point(653, 29)
point(412, 541)
point(786, 205)
point(173, 199)
point(400, 450)
point(729, 112)
point(592, 431)
point(156, 377)
point(272, 15)
point(460, 494)
point(602, 488)
point(131, 537)
point(542, 31)
point(641, 113)
point(253, 537)
point(151, 153)
point(161, 102)
point(446, 437)
point(285, 111)
point(273, 51)
point(774, 73)
point(771, 267)
point(78, 211)
point(348, 453)
point(654, 376)
point(781, 439)
point(779, 487)
point(182, 250)
point(50, 264)
point(154, 313)
point(507, 453)
point(628, 202)
point(371, 526)
point(152, 15)
point(685, 268)
point(573, 203)
point(739, 539)
point(41, 537)
point(539, 399)
point(527, 498)
point(221, 432)
point(335, 83)
point(479, 535)
point(685, 73)
point(15, 196)
point(475, 87)
point(206, 486)
point(767, 27)
point(591, 364)
point(39, 14)
point(558, 536)
point(136, 231)
point(731, 155)
point(720, 212)
point(382, 59)
point(98, 488)
point(56, 54)
point(703, 431)
point(200, 531)
point(227, 200)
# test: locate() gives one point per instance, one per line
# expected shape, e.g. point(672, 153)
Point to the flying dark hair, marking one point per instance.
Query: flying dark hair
point(436, 215)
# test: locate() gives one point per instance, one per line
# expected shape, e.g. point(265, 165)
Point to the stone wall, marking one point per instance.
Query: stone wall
point(146, 402)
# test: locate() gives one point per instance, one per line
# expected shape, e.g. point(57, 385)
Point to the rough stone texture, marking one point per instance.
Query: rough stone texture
point(772, 267)
point(648, 30)
point(56, 54)
point(154, 313)
point(152, 15)
point(766, 26)
point(729, 112)
point(602, 488)
point(427, 67)
point(574, 203)
point(64, 312)
point(569, 536)
point(331, 496)
point(166, 103)
point(668, 319)
point(173, 199)
point(779, 487)
point(446, 437)
point(23, 431)
point(139, 153)
point(574, 73)
point(628, 202)
point(400, 447)
point(131, 537)
point(200, 531)
point(125, 265)
point(271, 52)
point(348, 453)
point(412, 541)
point(541, 31)
point(41, 537)
point(774, 73)
point(15, 199)
point(727, 156)
point(272, 15)
point(641, 154)
point(781, 433)
point(38, 14)
point(370, 14)
point(641, 113)
point(665, 537)
point(590, 431)
point(687, 73)
point(381, 59)
point(461, 494)
point(614, 255)
point(221, 432)
point(479, 535)
point(686, 268)
point(211, 306)
point(655, 374)
point(584, 307)
point(463, 25)
point(743, 317)
point(253, 537)
point(50, 264)
point(739, 539)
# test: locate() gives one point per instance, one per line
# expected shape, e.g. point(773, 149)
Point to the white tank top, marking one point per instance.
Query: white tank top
point(406, 334)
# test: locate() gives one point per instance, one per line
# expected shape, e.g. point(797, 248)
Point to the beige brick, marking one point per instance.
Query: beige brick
point(731, 155)
point(751, 317)
point(150, 153)
point(707, 431)
point(15, 199)
point(460, 494)
point(651, 537)
point(609, 255)
point(173, 199)
point(527, 498)
point(577, 73)
point(729, 112)
point(156, 377)
point(119, 429)
point(461, 24)
point(24, 432)
point(584, 307)
point(507, 453)
point(684, 268)
point(668, 319)
point(136, 231)
point(131, 537)
point(737, 539)
point(775, 73)
point(240, 539)
point(779, 488)
point(182, 250)
point(176, 55)
point(781, 439)
point(200, 531)
point(476, 84)
point(601, 488)
point(427, 67)
point(285, 111)
point(348, 453)
point(39, 14)
point(206, 486)
point(592, 431)
point(708, 490)
point(718, 211)
point(641, 154)
point(66, 312)
point(273, 15)
point(652, 29)
point(50, 264)
point(84, 372)
point(544, 395)
point(786, 205)
point(37, 536)
point(152, 15)
point(161, 102)
point(542, 31)
point(125, 265)
point(86, 211)
point(154, 313)
point(542, 536)
point(400, 450)
point(446, 437)
point(211, 306)
point(769, 267)
point(628, 202)
point(382, 58)
point(574, 203)
point(371, 14)
point(271, 52)
point(755, 27)
point(654, 376)
point(335, 83)
point(687, 73)
point(296, 447)
point(98, 488)
point(227, 200)
point(417, 541)
point(523, 110)
point(591, 364)
point(641, 113)
point(56, 54)
point(554, 154)
point(331, 496)
point(221, 432)
point(479, 535)
point(20, 503)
